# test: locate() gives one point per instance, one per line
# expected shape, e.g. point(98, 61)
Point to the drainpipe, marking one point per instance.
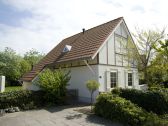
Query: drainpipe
point(90, 68)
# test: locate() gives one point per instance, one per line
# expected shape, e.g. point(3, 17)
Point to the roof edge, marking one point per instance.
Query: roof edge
point(107, 38)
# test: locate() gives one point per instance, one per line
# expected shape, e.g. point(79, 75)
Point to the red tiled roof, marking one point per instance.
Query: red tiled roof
point(84, 45)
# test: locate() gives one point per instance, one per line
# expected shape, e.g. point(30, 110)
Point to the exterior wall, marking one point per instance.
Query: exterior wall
point(104, 77)
point(29, 86)
point(112, 57)
point(79, 77)
point(103, 55)
point(108, 52)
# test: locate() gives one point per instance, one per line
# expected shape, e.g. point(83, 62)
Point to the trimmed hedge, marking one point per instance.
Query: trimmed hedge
point(23, 99)
point(121, 110)
point(154, 100)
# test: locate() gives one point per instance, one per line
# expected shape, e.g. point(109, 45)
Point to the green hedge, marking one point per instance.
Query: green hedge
point(120, 110)
point(23, 99)
point(154, 100)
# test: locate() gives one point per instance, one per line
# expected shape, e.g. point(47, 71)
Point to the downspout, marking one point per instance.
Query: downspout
point(90, 68)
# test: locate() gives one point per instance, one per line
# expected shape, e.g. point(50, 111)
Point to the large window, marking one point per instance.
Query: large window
point(119, 59)
point(130, 79)
point(113, 79)
point(120, 44)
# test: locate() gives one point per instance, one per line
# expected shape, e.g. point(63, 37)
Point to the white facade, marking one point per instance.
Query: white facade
point(110, 59)
point(79, 77)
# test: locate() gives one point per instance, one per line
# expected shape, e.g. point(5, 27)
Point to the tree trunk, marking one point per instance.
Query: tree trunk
point(91, 101)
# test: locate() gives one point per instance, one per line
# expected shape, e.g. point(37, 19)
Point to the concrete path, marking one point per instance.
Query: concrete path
point(55, 116)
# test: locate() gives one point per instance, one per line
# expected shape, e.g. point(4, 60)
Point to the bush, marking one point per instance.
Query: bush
point(155, 100)
point(121, 110)
point(54, 83)
point(23, 99)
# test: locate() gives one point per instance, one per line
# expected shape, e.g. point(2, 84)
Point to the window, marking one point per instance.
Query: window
point(113, 79)
point(120, 44)
point(119, 59)
point(129, 79)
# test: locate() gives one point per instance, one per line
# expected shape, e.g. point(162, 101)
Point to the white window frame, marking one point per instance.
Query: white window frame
point(116, 72)
point(128, 79)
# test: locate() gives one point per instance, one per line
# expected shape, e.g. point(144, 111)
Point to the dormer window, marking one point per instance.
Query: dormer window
point(67, 48)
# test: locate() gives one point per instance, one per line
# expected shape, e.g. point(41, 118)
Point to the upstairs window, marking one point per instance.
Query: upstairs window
point(120, 44)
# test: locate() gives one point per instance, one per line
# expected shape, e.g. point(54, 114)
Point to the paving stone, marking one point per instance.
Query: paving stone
point(55, 116)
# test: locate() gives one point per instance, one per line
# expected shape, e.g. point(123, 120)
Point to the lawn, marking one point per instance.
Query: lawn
point(13, 88)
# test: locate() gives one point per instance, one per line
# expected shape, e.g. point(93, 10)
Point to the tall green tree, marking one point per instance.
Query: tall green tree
point(147, 40)
point(158, 71)
point(10, 65)
point(13, 65)
point(33, 56)
point(163, 48)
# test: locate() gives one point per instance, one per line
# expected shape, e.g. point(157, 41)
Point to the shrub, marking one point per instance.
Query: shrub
point(23, 99)
point(155, 101)
point(121, 110)
point(54, 84)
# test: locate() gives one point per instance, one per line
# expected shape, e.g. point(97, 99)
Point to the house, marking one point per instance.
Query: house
point(98, 53)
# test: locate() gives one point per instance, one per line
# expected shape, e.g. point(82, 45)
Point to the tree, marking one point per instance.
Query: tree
point(33, 57)
point(54, 83)
point(10, 65)
point(13, 66)
point(163, 48)
point(147, 40)
point(92, 86)
point(158, 71)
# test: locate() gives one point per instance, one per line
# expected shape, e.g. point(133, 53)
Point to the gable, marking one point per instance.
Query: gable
point(112, 51)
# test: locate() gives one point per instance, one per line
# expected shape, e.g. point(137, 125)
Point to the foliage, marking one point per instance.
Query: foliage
point(10, 64)
point(147, 40)
point(33, 56)
point(154, 100)
point(158, 71)
point(54, 83)
point(21, 98)
point(118, 109)
point(163, 49)
point(13, 66)
point(92, 86)
point(13, 88)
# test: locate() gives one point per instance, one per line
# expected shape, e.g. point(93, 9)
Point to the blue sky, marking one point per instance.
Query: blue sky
point(42, 24)
point(11, 16)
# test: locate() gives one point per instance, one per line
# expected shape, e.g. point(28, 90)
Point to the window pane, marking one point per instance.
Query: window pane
point(113, 78)
point(129, 79)
point(118, 44)
point(119, 60)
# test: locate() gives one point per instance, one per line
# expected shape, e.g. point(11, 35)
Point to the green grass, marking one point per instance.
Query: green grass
point(13, 88)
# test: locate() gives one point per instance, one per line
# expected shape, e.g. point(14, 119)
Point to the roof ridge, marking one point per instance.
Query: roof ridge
point(94, 27)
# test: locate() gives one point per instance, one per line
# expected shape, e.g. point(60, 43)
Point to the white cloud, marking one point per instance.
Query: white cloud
point(53, 20)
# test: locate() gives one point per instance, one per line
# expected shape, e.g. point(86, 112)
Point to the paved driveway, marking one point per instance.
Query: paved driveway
point(55, 116)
